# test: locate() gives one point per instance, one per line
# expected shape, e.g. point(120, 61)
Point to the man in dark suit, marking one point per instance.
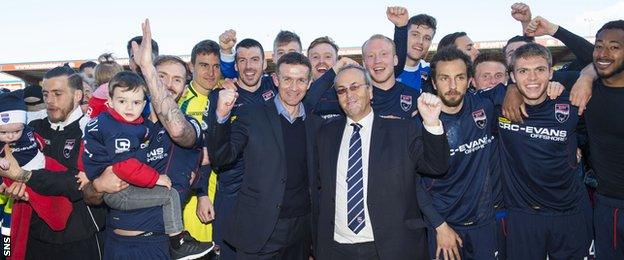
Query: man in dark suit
point(368, 175)
point(272, 216)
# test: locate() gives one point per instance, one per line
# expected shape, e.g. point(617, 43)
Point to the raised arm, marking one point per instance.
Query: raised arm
point(429, 146)
point(163, 103)
point(399, 16)
point(522, 13)
point(581, 48)
point(227, 40)
point(227, 139)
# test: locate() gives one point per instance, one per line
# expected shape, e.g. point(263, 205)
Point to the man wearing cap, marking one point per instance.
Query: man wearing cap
point(35, 108)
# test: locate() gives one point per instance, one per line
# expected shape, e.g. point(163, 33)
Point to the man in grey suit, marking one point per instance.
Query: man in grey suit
point(368, 175)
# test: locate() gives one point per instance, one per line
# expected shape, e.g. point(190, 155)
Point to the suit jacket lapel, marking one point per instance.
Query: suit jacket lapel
point(276, 126)
point(334, 149)
point(378, 136)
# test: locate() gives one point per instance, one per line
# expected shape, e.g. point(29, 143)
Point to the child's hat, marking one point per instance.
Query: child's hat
point(12, 107)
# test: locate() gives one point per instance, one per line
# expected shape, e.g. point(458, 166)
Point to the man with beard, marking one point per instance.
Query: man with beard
point(174, 148)
point(463, 196)
point(543, 195)
point(390, 97)
point(61, 132)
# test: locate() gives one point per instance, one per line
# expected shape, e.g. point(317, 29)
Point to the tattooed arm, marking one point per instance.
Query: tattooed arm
point(163, 103)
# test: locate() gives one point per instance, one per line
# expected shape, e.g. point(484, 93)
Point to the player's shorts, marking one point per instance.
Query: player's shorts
point(533, 236)
point(148, 246)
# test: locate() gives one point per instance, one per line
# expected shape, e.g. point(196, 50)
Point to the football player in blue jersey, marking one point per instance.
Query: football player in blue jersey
point(390, 97)
point(415, 36)
point(543, 196)
point(463, 224)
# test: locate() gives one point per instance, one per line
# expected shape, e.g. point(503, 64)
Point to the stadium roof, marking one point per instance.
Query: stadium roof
point(32, 72)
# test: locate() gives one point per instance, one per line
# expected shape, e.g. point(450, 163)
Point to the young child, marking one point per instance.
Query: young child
point(24, 146)
point(15, 132)
point(115, 138)
point(105, 70)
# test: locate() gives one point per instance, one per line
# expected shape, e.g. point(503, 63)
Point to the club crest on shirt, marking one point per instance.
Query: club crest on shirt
point(31, 137)
point(562, 112)
point(406, 102)
point(479, 118)
point(424, 75)
point(69, 146)
point(268, 95)
point(159, 136)
point(5, 117)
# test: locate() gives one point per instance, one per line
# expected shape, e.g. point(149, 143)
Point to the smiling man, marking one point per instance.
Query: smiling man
point(419, 31)
point(272, 215)
point(390, 97)
point(543, 194)
point(605, 128)
point(359, 157)
point(323, 55)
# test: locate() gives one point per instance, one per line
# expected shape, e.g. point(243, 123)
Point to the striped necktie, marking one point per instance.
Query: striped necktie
point(355, 182)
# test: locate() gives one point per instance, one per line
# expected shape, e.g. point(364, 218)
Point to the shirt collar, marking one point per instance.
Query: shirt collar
point(120, 118)
point(366, 121)
point(282, 111)
point(73, 116)
point(419, 65)
point(192, 90)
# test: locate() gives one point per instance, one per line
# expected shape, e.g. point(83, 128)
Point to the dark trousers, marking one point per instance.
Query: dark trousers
point(609, 226)
point(224, 203)
point(290, 240)
point(533, 236)
point(358, 251)
point(84, 249)
point(479, 242)
point(155, 246)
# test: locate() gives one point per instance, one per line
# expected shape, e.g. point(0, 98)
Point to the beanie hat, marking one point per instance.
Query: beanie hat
point(12, 107)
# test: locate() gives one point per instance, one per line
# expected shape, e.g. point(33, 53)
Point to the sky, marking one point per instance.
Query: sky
point(34, 31)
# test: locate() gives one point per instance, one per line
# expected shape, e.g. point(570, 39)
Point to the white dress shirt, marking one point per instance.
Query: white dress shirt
point(342, 233)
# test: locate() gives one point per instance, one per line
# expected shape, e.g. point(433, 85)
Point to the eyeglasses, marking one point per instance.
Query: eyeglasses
point(353, 87)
